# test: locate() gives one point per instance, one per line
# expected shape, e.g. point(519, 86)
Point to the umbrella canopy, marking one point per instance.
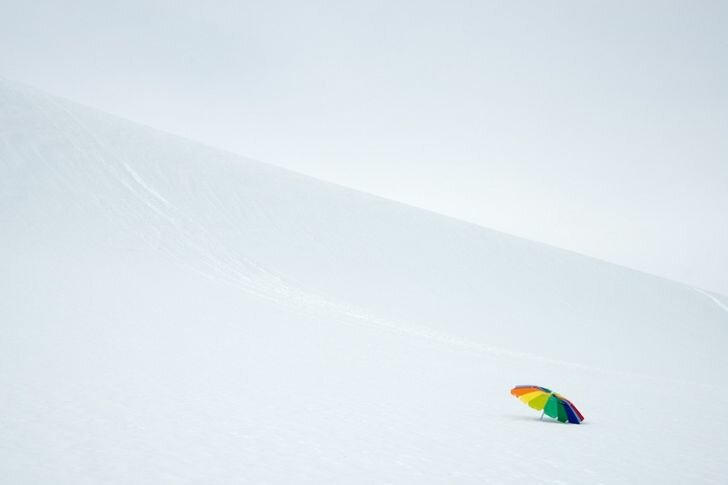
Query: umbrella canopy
point(549, 402)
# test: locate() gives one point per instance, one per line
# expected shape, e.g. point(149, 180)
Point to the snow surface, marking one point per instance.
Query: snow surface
point(170, 313)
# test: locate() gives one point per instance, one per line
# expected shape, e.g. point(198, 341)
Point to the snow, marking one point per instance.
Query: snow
point(172, 313)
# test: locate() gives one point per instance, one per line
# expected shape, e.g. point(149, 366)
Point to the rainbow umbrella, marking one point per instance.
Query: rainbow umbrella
point(549, 403)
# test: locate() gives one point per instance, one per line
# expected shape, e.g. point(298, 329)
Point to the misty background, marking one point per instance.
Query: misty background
point(600, 128)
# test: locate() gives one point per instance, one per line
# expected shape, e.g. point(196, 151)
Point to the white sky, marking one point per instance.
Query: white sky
point(600, 127)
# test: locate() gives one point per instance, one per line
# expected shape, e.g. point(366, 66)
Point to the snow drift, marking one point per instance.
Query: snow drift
point(171, 313)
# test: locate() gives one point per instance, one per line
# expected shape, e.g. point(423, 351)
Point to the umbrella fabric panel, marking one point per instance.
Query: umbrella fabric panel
point(521, 390)
point(539, 402)
point(527, 398)
point(561, 413)
point(570, 415)
point(551, 407)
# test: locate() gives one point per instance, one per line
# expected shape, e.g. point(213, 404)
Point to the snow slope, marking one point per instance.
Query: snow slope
point(170, 313)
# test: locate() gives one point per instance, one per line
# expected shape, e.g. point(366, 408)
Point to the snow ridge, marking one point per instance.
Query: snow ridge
point(174, 313)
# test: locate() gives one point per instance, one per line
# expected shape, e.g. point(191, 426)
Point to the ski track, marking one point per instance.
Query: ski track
point(712, 298)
